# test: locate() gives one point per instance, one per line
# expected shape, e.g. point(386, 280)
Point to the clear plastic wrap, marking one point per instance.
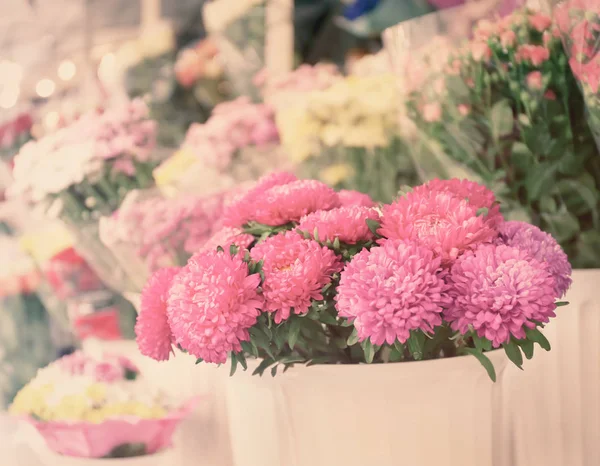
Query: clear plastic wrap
point(501, 106)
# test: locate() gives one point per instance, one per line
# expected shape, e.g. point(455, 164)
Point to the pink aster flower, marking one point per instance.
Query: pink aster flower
point(296, 270)
point(290, 202)
point(390, 290)
point(542, 247)
point(432, 112)
point(239, 210)
point(153, 334)
point(348, 224)
point(475, 194)
point(212, 303)
point(499, 291)
point(226, 237)
point(540, 22)
point(536, 54)
point(348, 198)
point(534, 80)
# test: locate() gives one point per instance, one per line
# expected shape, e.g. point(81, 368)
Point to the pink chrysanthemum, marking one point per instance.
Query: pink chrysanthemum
point(290, 202)
point(296, 270)
point(212, 303)
point(350, 198)
point(542, 247)
point(440, 221)
point(153, 334)
point(226, 237)
point(348, 224)
point(391, 290)
point(499, 291)
point(476, 194)
point(240, 209)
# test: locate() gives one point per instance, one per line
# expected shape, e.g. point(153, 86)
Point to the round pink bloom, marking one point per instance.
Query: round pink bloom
point(290, 202)
point(542, 247)
point(499, 291)
point(212, 303)
point(390, 290)
point(432, 112)
point(481, 51)
point(536, 54)
point(464, 109)
point(349, 198)
point(534, 80)
point(348, 224)
point(295, 270)
point(228, 236)
point(508, 38)
point(540, 22)
point(239, 210)
point(153, 334)
point(475, 194)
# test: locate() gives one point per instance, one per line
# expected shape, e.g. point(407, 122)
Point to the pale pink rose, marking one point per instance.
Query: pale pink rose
point(464, 109)
point(432, 112)
point(534, 80)
point(480, 51)
point(540, 22)
point(508, 38)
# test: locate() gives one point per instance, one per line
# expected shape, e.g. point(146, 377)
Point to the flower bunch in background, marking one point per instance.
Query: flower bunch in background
point(303, 274)
point(579, 24)
point(347, 136)
point(89, 166)
point(13, 134)
point(98, 406)
point(508, 111)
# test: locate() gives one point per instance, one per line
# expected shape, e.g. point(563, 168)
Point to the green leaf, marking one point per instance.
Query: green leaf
point(373, 225)
point(130, 374)
point(482, 344)
point(368, 350)
point(242, 360)
point(336, 243)
point(527, 347)
point(273, 371)
point(563, 225)
point(561, 303)
point(514, 353)
point(540, 180)
point(199, 360)
point(521, 157)
point(416, 341)
point(220, 249)
point(538, 337)
point(262, 366)
point(353, 338)
point(250, 348)
point(484, 360)
point(233, 249)
point(234, 362)
point(294, 333)
point(501, 119)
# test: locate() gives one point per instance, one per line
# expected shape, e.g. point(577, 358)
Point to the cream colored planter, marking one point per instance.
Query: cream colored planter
point(413, 414)
point(554, 405)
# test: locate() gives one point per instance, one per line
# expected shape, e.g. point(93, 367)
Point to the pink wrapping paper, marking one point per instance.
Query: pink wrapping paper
point(87, 440)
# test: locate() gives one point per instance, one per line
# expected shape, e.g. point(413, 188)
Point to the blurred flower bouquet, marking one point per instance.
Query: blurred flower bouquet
point(238, 143)
point(303, 274)
point(98, 407)
point(579, 24)
point(348, 136)
point(13, 134)
point(507, 109)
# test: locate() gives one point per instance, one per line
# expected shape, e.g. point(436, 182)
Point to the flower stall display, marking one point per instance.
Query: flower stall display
point(348, 136)
point(99, 406)
point(303, 275)
point(84, 171)
point(237, 144)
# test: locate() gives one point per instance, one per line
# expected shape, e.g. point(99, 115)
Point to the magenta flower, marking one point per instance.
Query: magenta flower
point(296, 270)
point(350, 198)
point(347, 224)
point(153, 334)
point(440, 221)
point(393, 289)
point(542, 247)
point(290, 202)
point(226, 237)
point(212, 303)
point(499, 291)
point(239, 210)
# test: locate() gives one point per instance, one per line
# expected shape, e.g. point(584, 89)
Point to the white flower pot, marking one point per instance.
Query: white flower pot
point(554, 404)
point(414, 414)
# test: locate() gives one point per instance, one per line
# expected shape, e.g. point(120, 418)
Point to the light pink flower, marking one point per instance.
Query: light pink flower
point(212, 303)
point(432, 112)
point(228, 236)
point(480, 51)
point(499, 291)
point(290, 202)
point(540, 22)
point(534, 80)
point(390, 290)
point(550, 95)
point(238, 211)
point(464, 109)
point(347, 224)
point(440, 221)
point(542, 247)
point(536, 54)
point(508, 38)
point(153, 335)
point(350, 198)
point(295, 270)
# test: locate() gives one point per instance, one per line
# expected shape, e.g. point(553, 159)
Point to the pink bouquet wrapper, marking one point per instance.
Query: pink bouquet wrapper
point(88, 440)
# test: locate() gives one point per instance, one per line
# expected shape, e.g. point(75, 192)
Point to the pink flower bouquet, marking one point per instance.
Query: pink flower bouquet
point(303, 274)
point(98, 408)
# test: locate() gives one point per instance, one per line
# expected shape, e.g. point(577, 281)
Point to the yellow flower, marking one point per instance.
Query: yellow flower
point(174, 167)
point(96, 392)
point(336, 173)
point(71, 407)
point(31, 400)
